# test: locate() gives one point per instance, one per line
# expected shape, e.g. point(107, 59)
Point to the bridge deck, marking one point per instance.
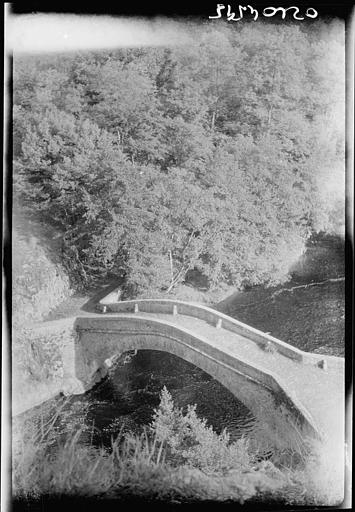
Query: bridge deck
point(320, 391)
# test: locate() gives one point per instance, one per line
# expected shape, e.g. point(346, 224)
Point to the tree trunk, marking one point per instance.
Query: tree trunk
point(213, 120)
point(214, 115)
point(271, 108)
point(182, 272)
point(171, 267)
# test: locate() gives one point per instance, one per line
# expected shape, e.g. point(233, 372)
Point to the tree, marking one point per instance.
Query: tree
point(73, 174)
point(219, 156)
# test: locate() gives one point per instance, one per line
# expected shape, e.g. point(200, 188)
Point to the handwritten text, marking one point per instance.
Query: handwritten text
point(268, 12)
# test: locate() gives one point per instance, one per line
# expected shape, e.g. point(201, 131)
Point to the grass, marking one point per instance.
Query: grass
point(54, 457)
point(134, 465)
point(177, 458)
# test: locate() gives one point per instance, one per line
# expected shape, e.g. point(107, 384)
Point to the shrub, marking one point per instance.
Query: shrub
point(46, 462)
point(192, 442)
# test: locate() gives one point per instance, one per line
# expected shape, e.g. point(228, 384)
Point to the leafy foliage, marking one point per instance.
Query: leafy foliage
point(192, 442)
point(222, 157)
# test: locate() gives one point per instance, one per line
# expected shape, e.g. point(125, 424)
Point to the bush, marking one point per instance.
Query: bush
point(46, 462)
point(190, 441)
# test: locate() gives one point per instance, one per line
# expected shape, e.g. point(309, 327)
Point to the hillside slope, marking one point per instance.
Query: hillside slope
point(39, 281)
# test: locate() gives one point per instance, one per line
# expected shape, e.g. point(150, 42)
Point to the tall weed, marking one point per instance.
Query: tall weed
point(177, 457)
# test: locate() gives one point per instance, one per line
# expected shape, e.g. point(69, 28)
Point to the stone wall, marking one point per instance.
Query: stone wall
point(43, 343)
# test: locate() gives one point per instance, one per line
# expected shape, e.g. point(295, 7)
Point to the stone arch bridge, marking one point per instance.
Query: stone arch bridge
point(296, 394)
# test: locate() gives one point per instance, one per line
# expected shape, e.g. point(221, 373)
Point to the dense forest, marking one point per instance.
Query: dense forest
point(222, 156)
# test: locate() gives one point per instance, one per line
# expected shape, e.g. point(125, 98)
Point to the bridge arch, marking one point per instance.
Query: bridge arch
point(102, 337)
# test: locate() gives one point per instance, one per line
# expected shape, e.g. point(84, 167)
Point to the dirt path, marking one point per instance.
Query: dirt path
point(81, 304)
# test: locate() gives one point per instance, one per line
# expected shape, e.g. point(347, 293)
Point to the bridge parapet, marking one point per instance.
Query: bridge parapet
point(220, 320)
point(265, 393)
